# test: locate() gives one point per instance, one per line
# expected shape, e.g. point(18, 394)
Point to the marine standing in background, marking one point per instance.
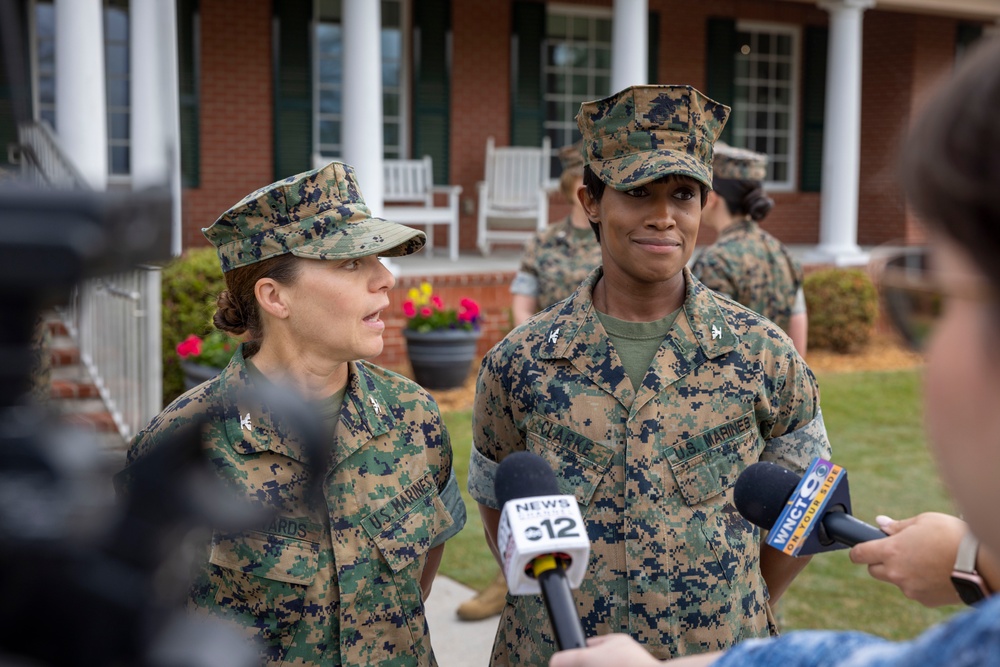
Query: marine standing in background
point(746, 263)
point(649, 394)
point(340, 582)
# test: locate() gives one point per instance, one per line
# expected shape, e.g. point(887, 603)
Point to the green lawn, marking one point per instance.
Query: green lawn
point(874, 422)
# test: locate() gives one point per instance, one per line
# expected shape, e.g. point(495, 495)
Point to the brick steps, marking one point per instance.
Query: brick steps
point(73, 393)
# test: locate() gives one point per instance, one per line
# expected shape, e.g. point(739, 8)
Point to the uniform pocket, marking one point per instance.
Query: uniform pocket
point(405, 527)
point(709, 463)
point(262, 581)
point(579, 462)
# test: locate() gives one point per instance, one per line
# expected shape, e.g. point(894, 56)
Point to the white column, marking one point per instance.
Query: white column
point(838, 234)
point(361, 132)
point(81, 101)
point(155, 113)
point(629, 44)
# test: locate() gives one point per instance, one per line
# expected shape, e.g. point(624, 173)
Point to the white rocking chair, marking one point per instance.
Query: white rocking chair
point(513, 198)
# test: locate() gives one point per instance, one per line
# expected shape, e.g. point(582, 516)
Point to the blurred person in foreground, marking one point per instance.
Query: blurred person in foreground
point(554, 263)
point(746, 263)
point(341, 582)
point(951, 172)
point(649, 394)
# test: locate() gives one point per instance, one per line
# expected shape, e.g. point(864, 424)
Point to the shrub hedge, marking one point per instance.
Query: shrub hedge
point(189, 287)
point(843, 307)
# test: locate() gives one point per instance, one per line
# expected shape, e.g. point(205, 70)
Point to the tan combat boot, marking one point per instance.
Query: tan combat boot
point(486, 603)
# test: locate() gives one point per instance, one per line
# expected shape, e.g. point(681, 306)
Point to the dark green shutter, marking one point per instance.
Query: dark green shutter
point(966, 34)
point(14, 94)
point(293, 142)
point(188, 76)
point(813, 108)
point(720, 65)
point(527, 117)
point(432, 85)
point(654, 47)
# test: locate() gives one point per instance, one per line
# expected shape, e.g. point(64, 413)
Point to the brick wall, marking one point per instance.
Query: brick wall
point(236, 131)
point(480, 96)
point(490, 290)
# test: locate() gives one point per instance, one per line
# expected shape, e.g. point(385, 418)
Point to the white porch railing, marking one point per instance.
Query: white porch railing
point(115, 319)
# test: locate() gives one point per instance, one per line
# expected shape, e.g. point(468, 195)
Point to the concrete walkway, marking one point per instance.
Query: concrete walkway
point(457, 643)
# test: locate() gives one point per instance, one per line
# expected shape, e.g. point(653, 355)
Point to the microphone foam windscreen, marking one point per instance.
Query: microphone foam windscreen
point(761, 492)
point(523, 475)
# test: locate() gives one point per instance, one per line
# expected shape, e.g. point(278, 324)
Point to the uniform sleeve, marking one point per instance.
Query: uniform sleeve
point(524, 283)
point(494, 429)
point(712, 271)
point(447, 483)
point(796, 434)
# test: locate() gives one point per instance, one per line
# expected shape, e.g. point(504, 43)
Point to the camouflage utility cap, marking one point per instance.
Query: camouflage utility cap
point(318, 214)
point(644, 133)
point(739, 163)
point(571, 156)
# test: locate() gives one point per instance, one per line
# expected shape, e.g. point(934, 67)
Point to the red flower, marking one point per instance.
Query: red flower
point(426, 312)
point(437, 302)
point(409, 309)
point(189, 347)
point(470, 310)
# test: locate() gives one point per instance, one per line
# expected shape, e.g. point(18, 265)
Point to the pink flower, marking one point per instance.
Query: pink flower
point(426, 312)
point(470, 309)
point(189, 347)
point(437, 302)
point(409, 309)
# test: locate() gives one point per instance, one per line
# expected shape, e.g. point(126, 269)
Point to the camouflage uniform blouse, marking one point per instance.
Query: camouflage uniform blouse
point(749, 265)
point(339, 584)
point(672, 563)
point(557, 261)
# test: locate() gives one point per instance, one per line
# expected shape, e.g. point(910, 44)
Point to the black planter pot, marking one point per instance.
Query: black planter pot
point(195, 374)
point(441, 359)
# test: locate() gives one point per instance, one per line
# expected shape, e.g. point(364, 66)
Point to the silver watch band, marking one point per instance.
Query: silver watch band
point(968, 548)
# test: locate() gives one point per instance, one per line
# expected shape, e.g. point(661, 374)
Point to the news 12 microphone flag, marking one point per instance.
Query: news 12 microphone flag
point(537, 526)
point(798, 529)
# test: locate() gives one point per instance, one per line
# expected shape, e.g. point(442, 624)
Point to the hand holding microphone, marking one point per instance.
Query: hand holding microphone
point(542, 541)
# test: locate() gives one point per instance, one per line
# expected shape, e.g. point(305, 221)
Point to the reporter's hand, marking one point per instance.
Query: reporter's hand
point(604, 651)
point(917, 557)
point(622, 650)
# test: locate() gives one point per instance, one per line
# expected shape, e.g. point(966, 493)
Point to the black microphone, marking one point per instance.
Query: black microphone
point(529, 494)
point(763, 490)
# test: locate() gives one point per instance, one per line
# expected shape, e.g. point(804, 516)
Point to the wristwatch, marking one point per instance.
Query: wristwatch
point(970, 586)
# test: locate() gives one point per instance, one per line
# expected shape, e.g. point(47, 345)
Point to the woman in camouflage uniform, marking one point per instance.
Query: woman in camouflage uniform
point(554, 264)
point(746, 263)
point(649, 394)
point(341, 582)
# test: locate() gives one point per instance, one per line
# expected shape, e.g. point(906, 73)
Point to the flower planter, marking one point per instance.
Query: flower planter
point(441, 359)
point(195, 374)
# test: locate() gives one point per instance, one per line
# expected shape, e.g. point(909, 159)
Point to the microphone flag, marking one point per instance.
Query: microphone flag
point(799, 530)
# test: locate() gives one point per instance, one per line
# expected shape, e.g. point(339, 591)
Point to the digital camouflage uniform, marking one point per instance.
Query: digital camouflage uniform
point(752, 267)
point(672, 562)
point(338, 584)
point(558, 261)
point(746, 263)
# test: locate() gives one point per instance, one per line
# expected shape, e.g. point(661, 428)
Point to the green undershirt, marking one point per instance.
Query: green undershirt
point(636, 342)
point(328, 408)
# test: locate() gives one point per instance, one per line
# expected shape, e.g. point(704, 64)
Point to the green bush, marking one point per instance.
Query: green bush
point(190, 286)
point(843, 306)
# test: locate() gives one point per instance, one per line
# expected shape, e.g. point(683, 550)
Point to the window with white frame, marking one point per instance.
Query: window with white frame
point(765, 103)
point(116, 64)
point(577, 69)
point(329, 59)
